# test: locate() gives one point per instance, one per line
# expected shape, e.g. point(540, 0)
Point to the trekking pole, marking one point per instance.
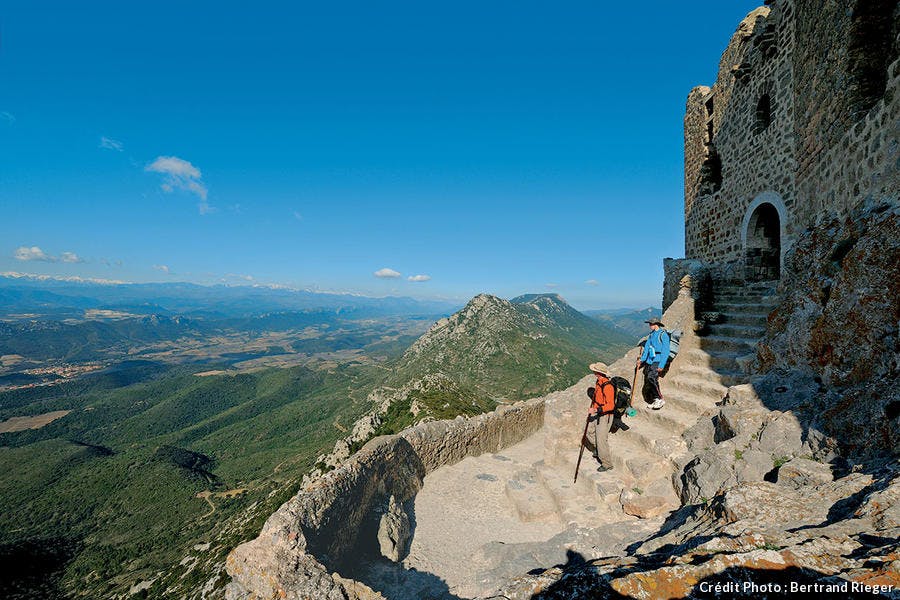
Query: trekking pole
point(633, 383)
point(581, 452)
point(631, 412)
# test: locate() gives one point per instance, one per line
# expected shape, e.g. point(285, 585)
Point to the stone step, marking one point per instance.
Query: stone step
point(653, 500)
point(696, 386)
point(632, 458)
point(660, 439)
point(559, 481)
point(749, 285)
point(743, 318)
point(686, 403)
point(720, 362)
point(765, 301)
point(754, 308)
point(678, 400)
point(724, 343)
point(590, 482)
point(726, 378)
point(672, 418)
point(531, 499)
point(745, 293)
point(594, 497)
point(748, 290)
point(750, 332)
point(609, 484)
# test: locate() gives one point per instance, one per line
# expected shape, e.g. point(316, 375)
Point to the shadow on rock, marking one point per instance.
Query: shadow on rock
point(385, 538)
point(395, 582)
point(603, 580)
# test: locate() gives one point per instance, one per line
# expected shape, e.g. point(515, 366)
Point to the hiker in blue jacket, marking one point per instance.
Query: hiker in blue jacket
point(653, 360)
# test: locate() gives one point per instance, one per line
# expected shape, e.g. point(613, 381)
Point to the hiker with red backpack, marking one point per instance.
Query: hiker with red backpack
point(601, 415)
point(654, 359)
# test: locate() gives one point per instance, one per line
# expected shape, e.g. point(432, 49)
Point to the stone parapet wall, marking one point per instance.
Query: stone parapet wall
point(674, 283)
point(335, 518)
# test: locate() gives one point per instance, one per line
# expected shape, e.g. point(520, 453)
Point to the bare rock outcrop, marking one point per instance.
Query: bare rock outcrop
point(394, 531)
point(761, 426)
point(842, 533)
point(839, 319)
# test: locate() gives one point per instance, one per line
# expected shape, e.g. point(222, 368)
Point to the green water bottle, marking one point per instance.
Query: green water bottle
point(630, 412)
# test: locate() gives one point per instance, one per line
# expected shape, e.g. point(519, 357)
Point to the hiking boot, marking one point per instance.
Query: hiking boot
point(603, 468)
point(658, 404)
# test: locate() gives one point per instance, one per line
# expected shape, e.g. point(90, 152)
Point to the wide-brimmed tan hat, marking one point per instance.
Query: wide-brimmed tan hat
point(599, 367)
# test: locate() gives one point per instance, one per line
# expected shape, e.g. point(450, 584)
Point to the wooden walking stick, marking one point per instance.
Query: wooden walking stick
point(581, 452)
point(633, 383)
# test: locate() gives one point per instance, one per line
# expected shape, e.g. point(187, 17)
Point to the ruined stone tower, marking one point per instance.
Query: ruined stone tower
point(798, 128)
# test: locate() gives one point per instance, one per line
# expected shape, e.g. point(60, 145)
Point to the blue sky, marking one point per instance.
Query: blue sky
point(502, 147)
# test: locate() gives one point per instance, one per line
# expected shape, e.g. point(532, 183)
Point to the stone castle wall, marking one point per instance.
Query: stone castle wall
point(846, 119)
point(802, 116)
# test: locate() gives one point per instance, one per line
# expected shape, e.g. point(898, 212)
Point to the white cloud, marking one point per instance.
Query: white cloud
point(111, 144)
point(8, 117)
point(179, 174)
point(29, 253)
point(33, 253)
point(163, 268)
point(592, 282)
point(419, 278)
point(386, 273)
point(176, 167)
point(70, 257)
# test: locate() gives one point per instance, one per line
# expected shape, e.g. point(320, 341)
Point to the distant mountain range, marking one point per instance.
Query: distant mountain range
point(52, 298)
point(77, 321)
point(626, 320)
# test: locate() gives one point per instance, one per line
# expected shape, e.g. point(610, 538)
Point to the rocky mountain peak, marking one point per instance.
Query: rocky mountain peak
point(507, 348)
point(481, 315)
point(539, 299)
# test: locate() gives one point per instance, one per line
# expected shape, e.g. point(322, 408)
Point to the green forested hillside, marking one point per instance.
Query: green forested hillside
point(495, 351)
point(157, 473)
point(108, 494)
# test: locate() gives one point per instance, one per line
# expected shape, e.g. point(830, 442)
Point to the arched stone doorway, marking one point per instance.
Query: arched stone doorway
point(762, 245)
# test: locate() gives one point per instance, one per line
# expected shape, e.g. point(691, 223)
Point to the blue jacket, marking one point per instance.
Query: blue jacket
point(656, 350)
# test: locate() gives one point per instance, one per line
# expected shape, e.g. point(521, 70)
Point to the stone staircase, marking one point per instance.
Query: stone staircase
point(523, 499)
point(652, 450)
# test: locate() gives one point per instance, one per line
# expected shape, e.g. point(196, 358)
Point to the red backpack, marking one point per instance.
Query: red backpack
point(604, 396)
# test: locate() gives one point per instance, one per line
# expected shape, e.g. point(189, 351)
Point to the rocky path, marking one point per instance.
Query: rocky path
point(490, 517)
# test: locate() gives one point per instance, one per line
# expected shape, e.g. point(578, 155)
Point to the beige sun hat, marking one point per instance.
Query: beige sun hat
point(599, 367)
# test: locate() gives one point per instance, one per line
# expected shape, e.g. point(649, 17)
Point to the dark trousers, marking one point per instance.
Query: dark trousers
point(651, 389)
